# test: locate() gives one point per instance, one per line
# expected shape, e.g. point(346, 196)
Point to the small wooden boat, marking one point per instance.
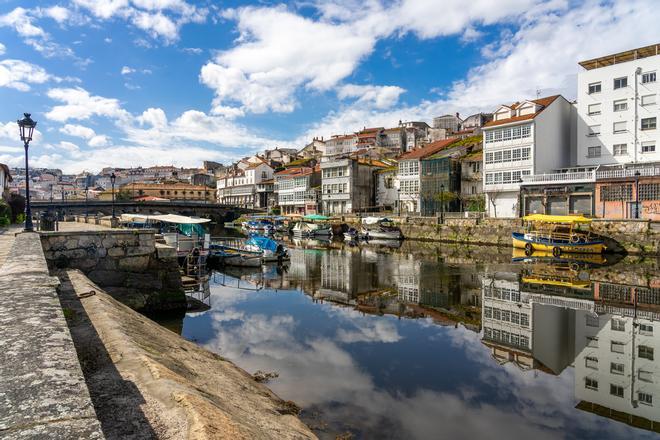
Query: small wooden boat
point(556, 234)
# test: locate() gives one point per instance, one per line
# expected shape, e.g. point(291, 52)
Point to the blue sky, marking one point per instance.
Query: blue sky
point(143, 82)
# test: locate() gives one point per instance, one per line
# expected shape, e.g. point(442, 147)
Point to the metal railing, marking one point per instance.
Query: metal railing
point(588, 176)
point(644, 171)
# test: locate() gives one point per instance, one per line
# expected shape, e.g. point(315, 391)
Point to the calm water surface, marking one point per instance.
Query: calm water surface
point(408, 344)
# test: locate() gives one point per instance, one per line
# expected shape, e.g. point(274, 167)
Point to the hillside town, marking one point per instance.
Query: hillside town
point(594, 156)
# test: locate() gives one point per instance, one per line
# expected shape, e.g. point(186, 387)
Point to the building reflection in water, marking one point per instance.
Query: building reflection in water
point(554, 314)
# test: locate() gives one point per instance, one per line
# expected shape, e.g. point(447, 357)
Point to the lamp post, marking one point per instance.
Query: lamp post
point(113, 178)
point(637, 174)
point(398, 200)
point(26, 127)
point(86, 196)
point(521, 201)
point(442, 203)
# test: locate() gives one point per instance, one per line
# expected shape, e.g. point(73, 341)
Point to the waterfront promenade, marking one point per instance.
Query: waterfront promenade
point(7, 236)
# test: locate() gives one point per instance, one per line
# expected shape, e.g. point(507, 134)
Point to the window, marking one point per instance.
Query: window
point(591, 383)
point(592, 342)
point(620, 83)
point(648, 77)
point(616, 368)
point(524, 319)
point(594, 109)
point(620, 105)
point(645, 398)
point(648, 123)
point(620, 150)
point(620, 127)
point(591, 362)
point(594, 88)
point(645, 352)
point(616, 390)
point(648, 147)
point(646, 329)
point(614, 193)
point(617, 347)
point(594, 130)
point(618, 325)
point(648, 100)
point(526, 130)
point(593, 152)
point(645, 376)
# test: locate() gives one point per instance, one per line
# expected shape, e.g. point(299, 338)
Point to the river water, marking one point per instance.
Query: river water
point(433, 341)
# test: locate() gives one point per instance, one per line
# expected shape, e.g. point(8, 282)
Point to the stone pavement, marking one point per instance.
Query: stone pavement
point(43, 393)
point(6, 241)
point(77, 227)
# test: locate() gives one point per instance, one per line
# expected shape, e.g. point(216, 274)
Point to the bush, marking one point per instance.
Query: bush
point(4, 221)
point(17, 204)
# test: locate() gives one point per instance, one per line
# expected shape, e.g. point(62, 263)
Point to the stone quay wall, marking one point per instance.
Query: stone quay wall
point(128, 264)
point(43, 393)
point(639, 237)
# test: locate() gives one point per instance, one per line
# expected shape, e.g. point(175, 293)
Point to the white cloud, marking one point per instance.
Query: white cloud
point(543, 53)
point(93, 139)
point(380, 97)
point(127, 70)
point(22, 22)
point(278, 51)
point(158, 18)
point(79, 104)
point(78, 131)
point(57, 13)
point(2, 49)
point(19, 74)
point(192, 50)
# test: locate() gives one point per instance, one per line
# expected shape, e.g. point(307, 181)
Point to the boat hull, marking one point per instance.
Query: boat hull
point(383, 235)
point(592, 247)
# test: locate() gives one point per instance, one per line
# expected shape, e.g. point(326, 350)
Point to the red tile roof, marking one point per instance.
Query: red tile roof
point(543, 102)
point(427, 150)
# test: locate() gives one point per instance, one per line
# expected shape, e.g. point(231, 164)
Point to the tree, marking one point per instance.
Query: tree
point(17, 204)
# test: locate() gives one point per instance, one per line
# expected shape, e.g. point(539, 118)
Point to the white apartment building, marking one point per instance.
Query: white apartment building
point(238, 185)
point(618, 108)
point(616, 366)
point(297, 190)
point(506, 320)
point(523, 139)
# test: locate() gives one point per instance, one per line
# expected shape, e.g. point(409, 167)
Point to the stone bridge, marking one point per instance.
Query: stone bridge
point(218, 212)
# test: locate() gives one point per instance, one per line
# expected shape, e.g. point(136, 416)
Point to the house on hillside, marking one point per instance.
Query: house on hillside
point(348, 184)
point(239, 183)
point(298, 189)
point(408, 175)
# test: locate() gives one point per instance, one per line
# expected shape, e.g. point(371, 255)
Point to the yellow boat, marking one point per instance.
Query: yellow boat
point(557, 234)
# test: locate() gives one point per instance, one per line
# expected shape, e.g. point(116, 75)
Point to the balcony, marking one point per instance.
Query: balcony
point(619, 173)
point(560, 178)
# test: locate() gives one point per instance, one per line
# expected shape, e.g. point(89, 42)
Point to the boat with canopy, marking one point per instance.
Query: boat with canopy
point(557, 234)
point(313, 225)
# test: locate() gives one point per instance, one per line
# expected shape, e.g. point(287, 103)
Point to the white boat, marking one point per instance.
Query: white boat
point(179, 231)
point(313, 226)
point(271, 250)
point(380, 228)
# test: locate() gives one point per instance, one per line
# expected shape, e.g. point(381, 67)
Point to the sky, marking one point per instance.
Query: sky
point(144, 82)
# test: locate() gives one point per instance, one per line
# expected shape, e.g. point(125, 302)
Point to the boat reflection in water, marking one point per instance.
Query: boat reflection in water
point(395, 344)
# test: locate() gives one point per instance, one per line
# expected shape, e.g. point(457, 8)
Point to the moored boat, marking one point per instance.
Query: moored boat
point(271, 250)
point(557, 234)
point(380, 228)
point(314, 225)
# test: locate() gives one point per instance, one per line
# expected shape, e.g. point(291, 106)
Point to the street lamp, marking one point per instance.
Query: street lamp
point(26, 127)
point(86, 195)
point(442, 203)
point(398, 199)
point(637, 174)
point(113, 178)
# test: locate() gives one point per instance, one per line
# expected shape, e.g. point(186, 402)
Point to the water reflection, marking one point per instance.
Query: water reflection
point(534, 347)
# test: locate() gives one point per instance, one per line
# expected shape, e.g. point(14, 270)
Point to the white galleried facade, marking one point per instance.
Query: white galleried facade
point(618, 108)
point(298, 189)
point(238, 185)
point(523, 139)
point(5, 178)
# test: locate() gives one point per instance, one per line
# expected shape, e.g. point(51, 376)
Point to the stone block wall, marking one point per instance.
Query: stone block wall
point(126, 263)
point(640, 237)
